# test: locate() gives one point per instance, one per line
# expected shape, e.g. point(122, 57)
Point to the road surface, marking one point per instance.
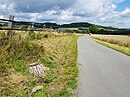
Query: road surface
point(103, 72)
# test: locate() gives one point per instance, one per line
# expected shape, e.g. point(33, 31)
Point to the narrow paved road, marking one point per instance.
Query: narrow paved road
point(103, 72)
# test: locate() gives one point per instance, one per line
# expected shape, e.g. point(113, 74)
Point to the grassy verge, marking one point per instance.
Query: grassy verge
point(121, 40)
point(56, 51)
point(122, 49)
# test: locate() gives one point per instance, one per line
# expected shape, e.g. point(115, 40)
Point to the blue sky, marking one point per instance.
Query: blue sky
point(123, 5)
point(114, 13)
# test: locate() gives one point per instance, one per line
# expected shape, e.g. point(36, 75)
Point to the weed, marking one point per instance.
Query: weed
point(50, 76)
point(20, 65)
point(32, 83)
point(40, 94)
point(73, 83)
point(20, 94)
point(63, 93)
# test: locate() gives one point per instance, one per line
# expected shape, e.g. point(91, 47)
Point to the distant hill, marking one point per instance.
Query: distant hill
point(81, 27)
point(76, 25)
point(48, 25)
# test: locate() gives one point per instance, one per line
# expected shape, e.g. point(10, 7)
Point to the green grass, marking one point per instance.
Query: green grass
point(20, 66)
point(40, 94)
point(73, 83)
point(50, 76)
point(58, 52)
point(114, 46)
point(64, 55)
point(63, 93)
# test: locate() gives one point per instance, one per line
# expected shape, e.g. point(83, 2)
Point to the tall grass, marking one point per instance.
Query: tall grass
point(117, 42)
point(114, 39)
point(56, 51)
point(63, 52)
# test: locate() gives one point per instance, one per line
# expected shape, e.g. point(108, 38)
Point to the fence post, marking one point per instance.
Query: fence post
point(10, 26)
point(32, 26)
point(44, 27)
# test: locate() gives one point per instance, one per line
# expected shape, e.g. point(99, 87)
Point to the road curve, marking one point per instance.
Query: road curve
point(103, 72)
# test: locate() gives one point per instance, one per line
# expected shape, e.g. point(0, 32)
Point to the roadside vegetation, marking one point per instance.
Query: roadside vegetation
point(58, 52)
point(118, 42)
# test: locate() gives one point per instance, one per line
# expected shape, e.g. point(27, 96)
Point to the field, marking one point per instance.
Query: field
point(69, 29)
point(58, 52)
point(118, 42)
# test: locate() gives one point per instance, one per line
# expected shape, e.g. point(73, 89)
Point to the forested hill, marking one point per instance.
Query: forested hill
point(76, 25)
point(80, 25)
point(48, 25)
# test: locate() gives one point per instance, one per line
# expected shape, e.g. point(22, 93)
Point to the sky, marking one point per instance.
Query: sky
point(114, 13)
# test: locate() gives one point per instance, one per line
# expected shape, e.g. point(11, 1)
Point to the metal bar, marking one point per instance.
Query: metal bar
point(14, 21)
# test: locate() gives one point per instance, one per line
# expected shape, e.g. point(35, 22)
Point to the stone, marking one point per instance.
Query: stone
point(35, 90)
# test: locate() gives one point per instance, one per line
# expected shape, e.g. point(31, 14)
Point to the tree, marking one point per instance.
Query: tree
point(93, 28)
point(85, 31)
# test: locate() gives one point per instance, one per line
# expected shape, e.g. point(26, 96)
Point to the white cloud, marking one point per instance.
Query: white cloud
point(66, 15)
point(2, 6)
point(126, 11)
point(94, 11)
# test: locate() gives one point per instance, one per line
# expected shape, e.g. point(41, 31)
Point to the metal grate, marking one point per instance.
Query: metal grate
point(36, 69)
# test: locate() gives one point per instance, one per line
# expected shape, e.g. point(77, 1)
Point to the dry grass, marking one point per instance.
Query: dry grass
point(56, 51)
point(120, 43)
point(69, 28)
point(61, 52)
point(121, 40)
